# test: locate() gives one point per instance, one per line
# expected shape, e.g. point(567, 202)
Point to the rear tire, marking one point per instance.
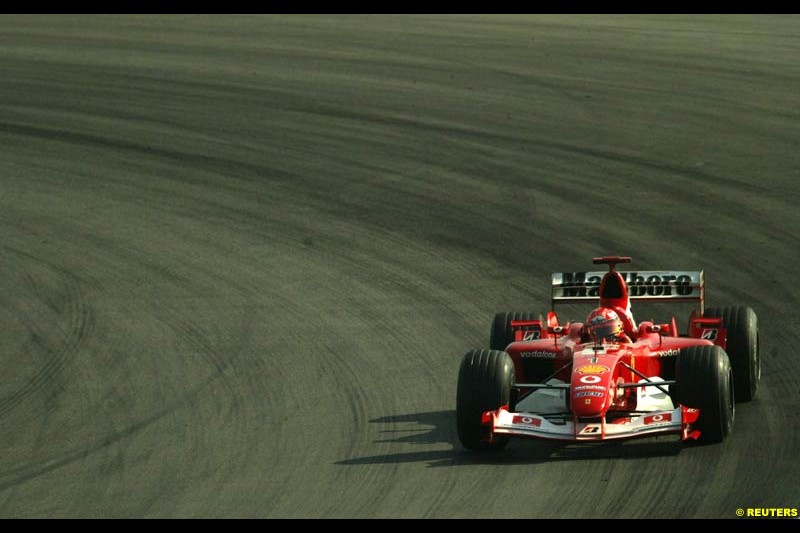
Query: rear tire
point(502, 335)
point(742, 348)
point(484, 384)
point(704, 380)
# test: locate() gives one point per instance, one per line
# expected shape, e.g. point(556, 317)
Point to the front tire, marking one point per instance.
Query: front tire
point(742, 348)
point(704, 380)
point(484, 384)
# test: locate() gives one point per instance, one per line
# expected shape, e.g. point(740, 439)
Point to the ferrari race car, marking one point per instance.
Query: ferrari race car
point(548, 380)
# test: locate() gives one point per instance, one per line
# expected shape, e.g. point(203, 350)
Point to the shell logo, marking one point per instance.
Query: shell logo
point(592, 369)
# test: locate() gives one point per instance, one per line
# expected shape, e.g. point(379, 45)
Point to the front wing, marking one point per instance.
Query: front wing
point(676, 421)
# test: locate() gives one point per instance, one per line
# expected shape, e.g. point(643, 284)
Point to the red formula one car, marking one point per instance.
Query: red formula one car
point(609, 378)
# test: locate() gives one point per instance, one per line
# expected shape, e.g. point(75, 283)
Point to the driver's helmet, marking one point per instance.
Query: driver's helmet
point(604, 323)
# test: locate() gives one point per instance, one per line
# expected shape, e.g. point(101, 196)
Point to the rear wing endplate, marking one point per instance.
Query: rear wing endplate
point(676, 286)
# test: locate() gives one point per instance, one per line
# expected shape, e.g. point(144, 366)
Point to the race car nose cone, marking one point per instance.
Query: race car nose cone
point(589, 389)
point(588, 407)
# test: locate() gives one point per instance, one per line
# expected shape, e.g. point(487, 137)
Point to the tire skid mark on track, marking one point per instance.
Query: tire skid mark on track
point(356, 401)
point(76, 324)
point(21, 474)
point(335, 390)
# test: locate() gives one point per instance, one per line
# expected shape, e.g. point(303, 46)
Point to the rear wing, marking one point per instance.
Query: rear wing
point(676, 286)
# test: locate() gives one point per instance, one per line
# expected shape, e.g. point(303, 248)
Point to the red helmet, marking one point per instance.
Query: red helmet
point(604, 323)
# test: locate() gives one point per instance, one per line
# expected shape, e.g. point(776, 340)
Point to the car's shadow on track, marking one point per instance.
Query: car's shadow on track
point(437, 428)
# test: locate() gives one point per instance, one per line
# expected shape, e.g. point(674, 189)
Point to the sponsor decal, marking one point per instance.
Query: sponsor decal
point(589, 393)
point(590, 379)
point(538, 354)
point(579, 284)
point(665, 285)
point(709, 334)
point(668, 353)
point(527, 421)
point(589, 387)
point(532, 335)
point(591, 430)
point(662, 418)
point(587, 401)
point(592, 369)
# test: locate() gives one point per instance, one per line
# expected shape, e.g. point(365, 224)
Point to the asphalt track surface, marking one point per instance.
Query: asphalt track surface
point(242, 256)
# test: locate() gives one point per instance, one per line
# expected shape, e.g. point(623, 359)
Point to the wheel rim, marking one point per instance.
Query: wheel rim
point(731, 403)
point(757, 361)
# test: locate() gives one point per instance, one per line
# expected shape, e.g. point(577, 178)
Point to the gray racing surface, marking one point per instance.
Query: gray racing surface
point(241, 257)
